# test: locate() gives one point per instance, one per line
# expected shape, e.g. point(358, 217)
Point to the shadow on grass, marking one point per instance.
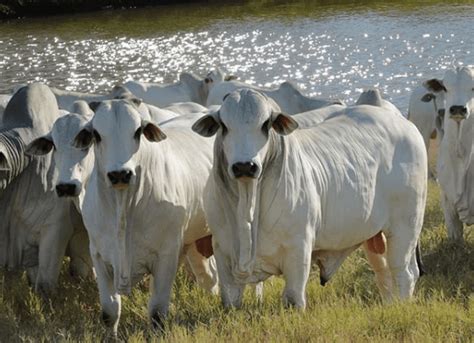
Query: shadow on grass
point(450, 267)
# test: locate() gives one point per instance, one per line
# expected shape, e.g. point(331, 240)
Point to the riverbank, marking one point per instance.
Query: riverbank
point(11, 9)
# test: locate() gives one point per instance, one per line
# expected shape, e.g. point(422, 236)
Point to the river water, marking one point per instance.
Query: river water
point(327, 49)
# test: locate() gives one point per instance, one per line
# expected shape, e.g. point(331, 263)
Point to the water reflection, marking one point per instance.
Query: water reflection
point(332, 50)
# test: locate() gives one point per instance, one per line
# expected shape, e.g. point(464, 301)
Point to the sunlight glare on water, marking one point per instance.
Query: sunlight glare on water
point(327, 51)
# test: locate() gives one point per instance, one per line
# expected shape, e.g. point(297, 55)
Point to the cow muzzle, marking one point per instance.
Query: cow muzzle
point(67, 190)
point(120, 179)
point(458, 113)
point(245, 169)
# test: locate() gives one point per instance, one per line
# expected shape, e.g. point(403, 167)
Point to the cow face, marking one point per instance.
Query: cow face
point(73, 165)
point(116, 131)
point(245, 122)
point(435, 94)
point(458, 84)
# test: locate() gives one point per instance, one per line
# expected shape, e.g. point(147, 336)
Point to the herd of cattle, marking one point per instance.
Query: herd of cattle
point(238, 182)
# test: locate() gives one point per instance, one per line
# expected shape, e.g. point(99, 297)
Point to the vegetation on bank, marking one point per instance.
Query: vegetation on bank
point(348, 308)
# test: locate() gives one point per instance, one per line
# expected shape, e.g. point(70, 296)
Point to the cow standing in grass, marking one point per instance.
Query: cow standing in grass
point(277, 194)
point(456, 152)
point(143, 202)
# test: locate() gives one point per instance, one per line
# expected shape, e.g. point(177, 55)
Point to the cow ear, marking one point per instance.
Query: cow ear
point(206, 126)
point(4, 162)
point(40, 146)
point(434, 85)
point(230, 78)
point(283, 124)
point(427, 97)
point(152, 132)
point(85, 138)
point(94, 105)
point(135, 101)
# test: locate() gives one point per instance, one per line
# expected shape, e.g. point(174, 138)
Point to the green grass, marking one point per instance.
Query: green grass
point(349, 308)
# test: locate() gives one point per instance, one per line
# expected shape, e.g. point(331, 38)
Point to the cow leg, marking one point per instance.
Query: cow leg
point(52, 248)
point(164, 272)
point(453, 223)
point(204, 269)
point(296, 267)
point(78, 249)
point(231, 292)
point(109, 299)
point(379, 265)
point(401, 258)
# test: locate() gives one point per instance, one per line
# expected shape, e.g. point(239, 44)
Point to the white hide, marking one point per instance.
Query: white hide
point(287, 96)
point(325, 189)
point(189, 88)
point(141, 228)
point(66, 99)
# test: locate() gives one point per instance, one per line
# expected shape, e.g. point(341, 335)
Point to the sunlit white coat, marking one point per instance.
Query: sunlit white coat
point(324, 189)
point(141, 227)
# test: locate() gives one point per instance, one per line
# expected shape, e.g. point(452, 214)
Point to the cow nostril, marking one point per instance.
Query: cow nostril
point(122, 176)
point(127, 176)
point(113, 177)
point(65, 189)
point(253, 168)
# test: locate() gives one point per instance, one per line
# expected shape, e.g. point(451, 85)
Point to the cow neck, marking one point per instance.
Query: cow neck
point(242, 199)
point(122, 276)
point(457, 151)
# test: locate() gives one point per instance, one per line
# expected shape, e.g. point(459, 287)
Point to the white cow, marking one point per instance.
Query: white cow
point(74, 167)
point(287, 96)
point(66, 99)
point(276, 194)
point(456, 152)
point(35, 228)
point(189, 88)
point(143, 202)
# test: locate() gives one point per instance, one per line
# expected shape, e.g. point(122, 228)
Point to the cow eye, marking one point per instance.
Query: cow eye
point(224, 129)
point(266, 126)
point(138, 133)
point(96, 136)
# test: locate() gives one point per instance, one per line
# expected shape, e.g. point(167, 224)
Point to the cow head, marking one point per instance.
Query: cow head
point(245, 121)
point(73, 165)
point(116, 131)
point(436, 95)
point(459, 86)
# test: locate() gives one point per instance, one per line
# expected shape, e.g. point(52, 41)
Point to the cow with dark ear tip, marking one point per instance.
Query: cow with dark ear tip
point(269, 183)
point(455, 164)
point(155, 174)
point(35, 235)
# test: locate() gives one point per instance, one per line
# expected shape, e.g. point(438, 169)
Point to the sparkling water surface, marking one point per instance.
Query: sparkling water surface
point(328, 50)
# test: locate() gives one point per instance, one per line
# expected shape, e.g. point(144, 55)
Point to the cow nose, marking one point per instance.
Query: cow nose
point(241, 169)
point(65, 189)
point(120, 176)
point(458, 110)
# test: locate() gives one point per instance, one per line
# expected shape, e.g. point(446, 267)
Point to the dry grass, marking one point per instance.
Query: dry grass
point(349, 308)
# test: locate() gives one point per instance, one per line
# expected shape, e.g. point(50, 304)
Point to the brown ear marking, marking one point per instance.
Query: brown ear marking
point(84, 139)
point(435, 85)
point(284, 124)
point(153, 133)
point(207, 126)
point(40, 146)
point(94, 105)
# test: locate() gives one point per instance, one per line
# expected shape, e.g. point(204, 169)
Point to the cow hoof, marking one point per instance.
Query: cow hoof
point(322, 280)
point(107, 319)
point(157, 322)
